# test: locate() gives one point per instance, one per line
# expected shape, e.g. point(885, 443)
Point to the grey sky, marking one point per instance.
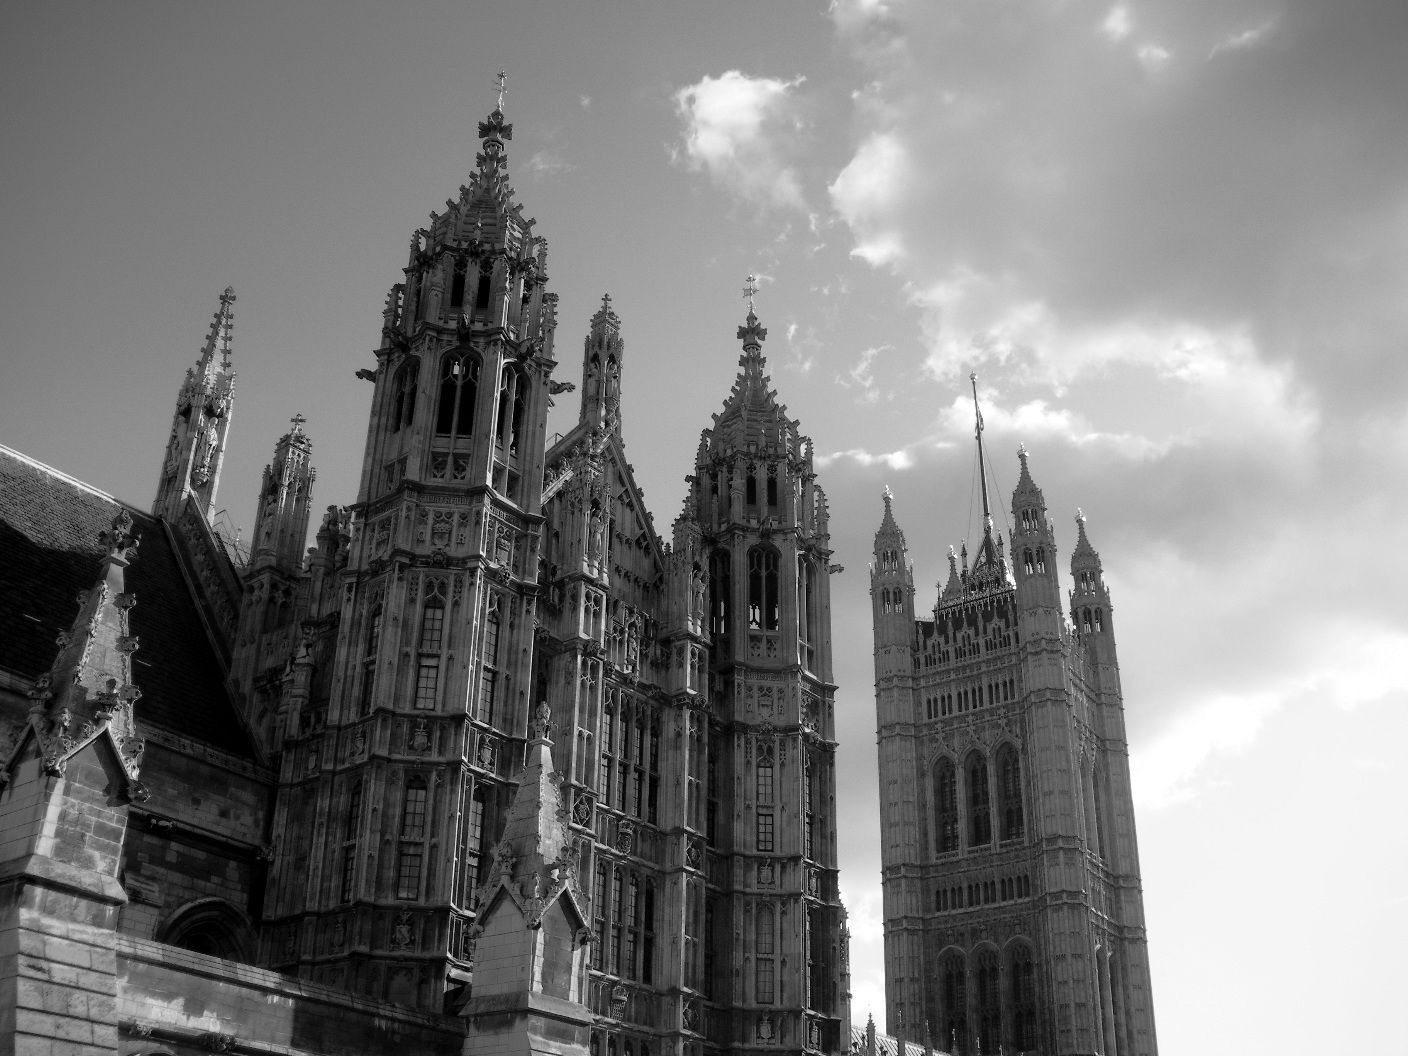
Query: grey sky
point(1171, 237)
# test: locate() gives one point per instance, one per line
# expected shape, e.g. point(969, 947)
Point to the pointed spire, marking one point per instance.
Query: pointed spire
point(196, 449)
point(887, 523)
point(1083, 554)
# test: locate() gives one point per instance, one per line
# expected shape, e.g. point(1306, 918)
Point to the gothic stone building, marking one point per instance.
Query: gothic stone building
point(492, 767)
point(1013, 910)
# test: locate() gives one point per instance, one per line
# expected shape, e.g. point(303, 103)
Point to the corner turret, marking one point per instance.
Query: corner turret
point(892, 589)
point(281, 524)
point(1034, 559)
point(1090, 600)
point(601, 370)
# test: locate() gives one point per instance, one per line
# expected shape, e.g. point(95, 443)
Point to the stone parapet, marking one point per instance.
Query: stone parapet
point(192, 1002)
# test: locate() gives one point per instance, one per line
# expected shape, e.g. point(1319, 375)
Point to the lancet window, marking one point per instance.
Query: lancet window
point(1009, 776)
point(979, 802)
point(459, 386)
point(430, 645)
point(1021, 983)
point(807, 615)
point(765, 797)
point(513, 400)
point(946, 804)
point(989, 1000)
point(473, 847)
point(720, 595)
point(954, 982)
point(403, 399)
point(763, 612)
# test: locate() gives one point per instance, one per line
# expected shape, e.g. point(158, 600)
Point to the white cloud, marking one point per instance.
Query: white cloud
point(547, 163)
point(901, 459)
point(1154, 56)
point(867, 193)
point(1117, 24)
point(861, 376)
point(1245, 40)
point(586, 101)
point(735, 129)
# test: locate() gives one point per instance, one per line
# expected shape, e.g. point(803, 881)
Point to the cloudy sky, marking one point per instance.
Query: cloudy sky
point(1171, 237)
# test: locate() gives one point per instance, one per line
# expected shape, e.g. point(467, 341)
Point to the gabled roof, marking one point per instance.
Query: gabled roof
point(49, 552)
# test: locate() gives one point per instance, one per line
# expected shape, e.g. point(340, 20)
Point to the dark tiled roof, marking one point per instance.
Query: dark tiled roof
point(49, 551)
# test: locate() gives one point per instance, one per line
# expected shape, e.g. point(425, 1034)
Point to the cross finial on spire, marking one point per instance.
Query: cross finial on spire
point(606, 302)
point(298, 421)
point(501, 83)
point(750, 291)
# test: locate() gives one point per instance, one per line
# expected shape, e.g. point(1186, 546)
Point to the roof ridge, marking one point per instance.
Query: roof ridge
point(66, 478)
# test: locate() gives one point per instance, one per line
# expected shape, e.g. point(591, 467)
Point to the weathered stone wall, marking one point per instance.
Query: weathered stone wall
point(191, 1004)
point(197, 837)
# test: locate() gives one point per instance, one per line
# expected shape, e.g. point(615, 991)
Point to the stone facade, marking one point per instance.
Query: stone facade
point(492, 767)
point(1012, 901)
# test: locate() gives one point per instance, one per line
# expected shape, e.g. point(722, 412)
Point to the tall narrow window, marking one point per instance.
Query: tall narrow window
point(473, 845)
point(694, 773)
point(1009, 769)
point(408, 869)
point(432, 631)
point(349, 841)
point(750, 491)
point(614, 955)
point(630, 967)
point(954, 979)
point(459, 385)
point(989, 1002)
point(946, 805)
point(481, 294)
point(512, 404)
point(808, 817)
point(720, 594)
point(489, 663)
point(369, 658)
point(403, 400)
point(762, 589)
point(647, 949)
point(765, 784)
point(806, 611)
point(457, 287)
point(1021, 975)
point(772, 487)
point(765, 947)
point(979, 806)
point(599, 905)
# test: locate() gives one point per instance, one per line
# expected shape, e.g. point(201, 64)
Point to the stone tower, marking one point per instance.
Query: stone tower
point(690, 683)
point(201, 425)
point(405, 698)
point(1013, 907)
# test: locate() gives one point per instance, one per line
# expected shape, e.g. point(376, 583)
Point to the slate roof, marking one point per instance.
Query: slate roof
point(49, 551)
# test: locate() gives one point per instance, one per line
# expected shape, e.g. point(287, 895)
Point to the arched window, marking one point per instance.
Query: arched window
point(1028, 565)
point(720, 594)
point(807, 616)
point(764, 798)
point(953, 977)
point(513, 397)
point(210, 926)
point(946, 805)
point(765, 776)
point(1041, 559)
point(1098, 623)
point(403, 399)
point(481, 294)
point(750, 491)
point(349, 841)
point(979, 807)
point(459, 385)
point(765, 945)
point(1009, 777)
point(1021, 999)
point(762, 588)
point(457, 285)
point(772, 486)
point(989, 1000)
